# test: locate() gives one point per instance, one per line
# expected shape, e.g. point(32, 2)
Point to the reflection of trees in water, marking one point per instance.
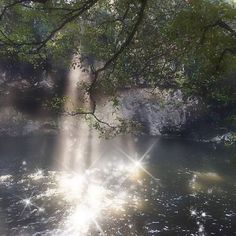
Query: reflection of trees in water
point(80, 157)
point(88, 153)
point(129, 144)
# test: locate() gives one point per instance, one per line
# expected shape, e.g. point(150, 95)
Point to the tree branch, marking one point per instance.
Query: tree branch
point(128, 39)
point(79, 12)
point(9, 6)
point(222, 55)
point(219, 23)
point(73, 15)
point(18, 2)
point(96, 73)
point(40, 44)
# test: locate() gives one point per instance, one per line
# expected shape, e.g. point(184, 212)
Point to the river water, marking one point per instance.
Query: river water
point(135, 186)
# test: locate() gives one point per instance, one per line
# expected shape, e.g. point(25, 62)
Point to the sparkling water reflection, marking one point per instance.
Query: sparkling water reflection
point(150, 194)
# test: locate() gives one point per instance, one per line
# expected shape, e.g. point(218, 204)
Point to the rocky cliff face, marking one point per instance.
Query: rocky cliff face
point(15, 123)
point(23, 91)
point(158, 111)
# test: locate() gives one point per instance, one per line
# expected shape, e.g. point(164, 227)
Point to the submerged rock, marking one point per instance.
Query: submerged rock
point(227, 138)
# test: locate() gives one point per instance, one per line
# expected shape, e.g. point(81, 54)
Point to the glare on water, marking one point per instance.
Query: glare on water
point(89, 191)
point(118, 195)
point(90, 197)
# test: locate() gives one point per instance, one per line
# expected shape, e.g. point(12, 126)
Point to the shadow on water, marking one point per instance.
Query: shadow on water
point(36, 151)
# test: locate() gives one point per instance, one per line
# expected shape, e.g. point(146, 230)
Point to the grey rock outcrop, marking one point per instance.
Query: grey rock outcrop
point(159, 111)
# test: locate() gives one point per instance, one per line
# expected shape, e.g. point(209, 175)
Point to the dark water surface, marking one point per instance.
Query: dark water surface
point(135, 186)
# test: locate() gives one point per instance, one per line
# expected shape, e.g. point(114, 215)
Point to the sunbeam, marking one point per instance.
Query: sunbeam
point(81, 184)
point(77, 141)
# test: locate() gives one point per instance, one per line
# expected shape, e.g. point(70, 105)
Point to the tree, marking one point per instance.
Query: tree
point(209, 38)
point(175, 43)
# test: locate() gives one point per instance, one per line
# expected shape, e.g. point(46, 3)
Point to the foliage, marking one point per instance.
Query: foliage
point(205, 29)
point(151, 43)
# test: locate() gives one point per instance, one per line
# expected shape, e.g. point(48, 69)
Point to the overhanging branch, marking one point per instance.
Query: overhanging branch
point(117, 54)
point(95, 73)
point(74, 14)
point(128, 39)
point(220, 24)
point(226, 51)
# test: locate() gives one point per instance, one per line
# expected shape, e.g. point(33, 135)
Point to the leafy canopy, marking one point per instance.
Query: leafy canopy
point(152, 43)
